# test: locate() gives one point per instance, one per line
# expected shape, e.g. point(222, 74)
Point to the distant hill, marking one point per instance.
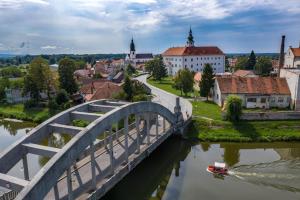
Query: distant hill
point(7, 55)
point(272, 55)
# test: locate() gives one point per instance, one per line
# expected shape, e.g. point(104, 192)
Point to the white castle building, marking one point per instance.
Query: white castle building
point(137, 59)
point(193, 58)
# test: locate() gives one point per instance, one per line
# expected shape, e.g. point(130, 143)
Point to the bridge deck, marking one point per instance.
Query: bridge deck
point(81, 171)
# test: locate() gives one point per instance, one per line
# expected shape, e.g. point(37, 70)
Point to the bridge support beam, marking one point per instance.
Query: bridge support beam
point(111, 152)
point(156, 127)
point(69, 184)
point(25, 167)
point(137, 126)
point(148, 127)
point(164, 125)
point(117, 131)
point(126, 138)
point(93, 165)
point(56, 194)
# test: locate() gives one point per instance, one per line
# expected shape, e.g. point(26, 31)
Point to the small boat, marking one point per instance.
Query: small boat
point(218, 168)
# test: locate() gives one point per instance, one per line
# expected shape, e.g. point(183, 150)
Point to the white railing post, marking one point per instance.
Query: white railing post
point(25, 167)
point(137, 126)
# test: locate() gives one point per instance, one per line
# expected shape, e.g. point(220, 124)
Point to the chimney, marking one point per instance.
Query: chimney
point(281, 58)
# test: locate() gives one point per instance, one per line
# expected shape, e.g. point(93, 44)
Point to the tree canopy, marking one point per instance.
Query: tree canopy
point(241, 63)
point(263, 66)
point(184, 81)
point(157, 68)
point(39, 78)
point(233, 108)
point(251, 61)
point(130, 69)
point(207, 80)
point(66, 70)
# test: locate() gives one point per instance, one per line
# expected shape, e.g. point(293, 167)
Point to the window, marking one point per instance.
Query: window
point(273, 99)
point(185, 59)
point(263, 100)
point(192, 59)
point(280, 99)
point(191, 66)
point(251, 100)
point(217, 96)
point(287, 99)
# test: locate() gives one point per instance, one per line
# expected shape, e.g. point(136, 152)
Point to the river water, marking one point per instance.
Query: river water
point(177, 169)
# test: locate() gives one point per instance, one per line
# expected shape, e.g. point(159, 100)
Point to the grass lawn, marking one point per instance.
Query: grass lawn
point(215, 129)
point(166, 84)
point(17, 111)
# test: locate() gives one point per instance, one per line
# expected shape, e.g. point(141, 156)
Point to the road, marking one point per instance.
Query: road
point(167, 99)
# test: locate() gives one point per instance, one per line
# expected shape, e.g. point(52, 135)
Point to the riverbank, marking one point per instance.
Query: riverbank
point(17, 111)
point(207, 124)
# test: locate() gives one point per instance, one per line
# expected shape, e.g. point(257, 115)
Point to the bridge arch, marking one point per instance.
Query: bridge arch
point(47, 177)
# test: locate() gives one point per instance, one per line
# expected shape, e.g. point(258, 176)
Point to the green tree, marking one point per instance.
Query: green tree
point(130, 69)
point(39, 78)
point(80, 64)
point(241, 63)
point(157, 68)
point(127, 87)
point(227, 66)
point(251, 61)
point(207, 81)
point(66, 70)
point(184, 81)
point(233, 108)
point(263, 66)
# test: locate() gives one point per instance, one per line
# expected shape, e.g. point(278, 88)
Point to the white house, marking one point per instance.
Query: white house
point(255, 92)
point(136, 59)
point(292, 77)
point(193, 58)
point(292, 58)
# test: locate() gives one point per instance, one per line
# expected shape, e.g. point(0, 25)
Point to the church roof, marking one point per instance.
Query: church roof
point(193, 51)
point(143, 56)
point(296, 51)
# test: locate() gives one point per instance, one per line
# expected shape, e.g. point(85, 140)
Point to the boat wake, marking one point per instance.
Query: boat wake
point(282, 174)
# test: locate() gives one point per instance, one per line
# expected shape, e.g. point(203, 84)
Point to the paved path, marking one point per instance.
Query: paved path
point(167, 99)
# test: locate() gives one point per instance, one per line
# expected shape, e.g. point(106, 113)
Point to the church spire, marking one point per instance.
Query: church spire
point(132, 46)
point(190, 39)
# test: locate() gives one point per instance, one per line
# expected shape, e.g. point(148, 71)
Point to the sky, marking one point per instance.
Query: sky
point(107, 26)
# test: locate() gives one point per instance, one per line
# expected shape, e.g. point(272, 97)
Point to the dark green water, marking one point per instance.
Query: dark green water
point(177, 169)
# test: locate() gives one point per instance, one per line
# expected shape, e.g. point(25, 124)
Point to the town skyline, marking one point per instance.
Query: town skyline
point(88, 27)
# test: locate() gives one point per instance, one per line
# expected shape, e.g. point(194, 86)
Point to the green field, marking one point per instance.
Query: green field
point(166, 84)
point(17, 111)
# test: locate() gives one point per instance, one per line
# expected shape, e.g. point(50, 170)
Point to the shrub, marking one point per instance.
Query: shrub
point(61, 97)
point(140, 97)
point(233, 108)
point(30, 104)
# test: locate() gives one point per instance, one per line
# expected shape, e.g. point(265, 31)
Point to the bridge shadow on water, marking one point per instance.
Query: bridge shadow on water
point(150, 178)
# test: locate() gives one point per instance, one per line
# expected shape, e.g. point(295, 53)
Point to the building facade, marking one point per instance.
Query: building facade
point(292, 77)
point(255, 92)
point(137, 59)
point(193, 58)
point(292, 58)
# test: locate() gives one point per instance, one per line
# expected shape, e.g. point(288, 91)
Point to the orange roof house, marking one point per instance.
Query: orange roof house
point(262, 92)
point(192, 51)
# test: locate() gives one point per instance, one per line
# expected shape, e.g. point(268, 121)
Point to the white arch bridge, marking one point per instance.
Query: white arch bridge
point(119, 136)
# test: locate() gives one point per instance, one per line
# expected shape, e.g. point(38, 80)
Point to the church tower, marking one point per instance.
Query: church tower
point(132, 50)
point(190, 39)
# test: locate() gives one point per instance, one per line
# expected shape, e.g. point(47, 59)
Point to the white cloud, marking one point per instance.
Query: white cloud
point(48, 47)
point(20, 3)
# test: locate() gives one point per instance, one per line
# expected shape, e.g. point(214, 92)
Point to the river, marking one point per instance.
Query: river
point(177, 169)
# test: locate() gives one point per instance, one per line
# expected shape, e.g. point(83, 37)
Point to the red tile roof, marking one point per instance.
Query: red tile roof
point(192, 51)
point(253, 85)
point(243, 73)
point(296, 51)
point(100, 90)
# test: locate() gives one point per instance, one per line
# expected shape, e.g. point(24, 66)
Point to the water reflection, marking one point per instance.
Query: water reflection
point(12, 127)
